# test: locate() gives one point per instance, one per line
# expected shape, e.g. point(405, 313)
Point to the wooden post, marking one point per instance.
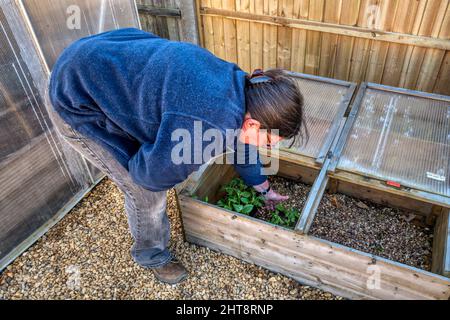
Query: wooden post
point(441, 244)
point(333, 186)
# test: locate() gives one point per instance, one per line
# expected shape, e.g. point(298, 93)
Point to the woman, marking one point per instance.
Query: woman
point(120, 97)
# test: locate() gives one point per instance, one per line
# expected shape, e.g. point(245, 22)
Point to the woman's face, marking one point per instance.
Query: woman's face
point(251, 133)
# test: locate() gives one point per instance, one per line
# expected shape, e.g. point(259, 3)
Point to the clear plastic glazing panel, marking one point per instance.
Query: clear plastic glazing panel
point(322, 101)
point(59, 23)
point(401, 138)
point(38, 174)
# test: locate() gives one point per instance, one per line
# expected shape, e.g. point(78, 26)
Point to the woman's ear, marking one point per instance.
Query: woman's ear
point(249, 133)
point(250, 123)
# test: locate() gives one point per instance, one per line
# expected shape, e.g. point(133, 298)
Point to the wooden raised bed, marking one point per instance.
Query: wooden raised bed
point(323, 264)
point(312, 261)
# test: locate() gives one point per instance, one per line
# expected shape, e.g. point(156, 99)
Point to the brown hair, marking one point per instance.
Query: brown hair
point(277, 104)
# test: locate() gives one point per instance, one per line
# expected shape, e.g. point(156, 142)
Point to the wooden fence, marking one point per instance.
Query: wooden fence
point(402, 43)
point(171, 19)
point(161, 22)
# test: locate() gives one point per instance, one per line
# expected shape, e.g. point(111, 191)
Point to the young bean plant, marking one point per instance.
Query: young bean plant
point(283, 216)
point(240, 197)
point(245, 200)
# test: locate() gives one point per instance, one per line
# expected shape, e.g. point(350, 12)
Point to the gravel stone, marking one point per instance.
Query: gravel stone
point(87, 256)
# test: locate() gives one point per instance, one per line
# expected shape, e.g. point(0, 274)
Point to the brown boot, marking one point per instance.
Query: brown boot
point(172, 272)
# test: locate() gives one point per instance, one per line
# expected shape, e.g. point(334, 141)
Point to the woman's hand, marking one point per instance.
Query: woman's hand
point(271, 195)
point(274, 196)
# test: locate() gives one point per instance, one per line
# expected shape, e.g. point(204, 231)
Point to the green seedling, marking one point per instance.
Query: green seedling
point(283, 216)
point(245, 200)
point(240, 197)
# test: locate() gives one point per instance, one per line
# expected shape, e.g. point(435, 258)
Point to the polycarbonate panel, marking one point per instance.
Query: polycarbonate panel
point(38, 174)
point(402, 138)
point(57, 23)
point(322, 102)
point(72, 20)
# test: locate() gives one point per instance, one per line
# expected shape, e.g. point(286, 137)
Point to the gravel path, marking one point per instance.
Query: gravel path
point(86, 256)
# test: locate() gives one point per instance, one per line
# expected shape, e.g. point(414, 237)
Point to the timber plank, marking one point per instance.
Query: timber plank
point(270, 35)
point(229, 30)
point(306, 259)
point(285, 9)
point(256, 37)
point(243, 37)
point(207, 27)
point(329, 41)
point(301, 11)
point(441, 244)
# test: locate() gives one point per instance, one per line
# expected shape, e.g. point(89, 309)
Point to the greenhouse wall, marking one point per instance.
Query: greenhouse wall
point(41, 177)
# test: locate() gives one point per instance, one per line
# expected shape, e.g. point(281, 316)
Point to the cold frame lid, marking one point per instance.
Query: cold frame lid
point(326, 101)
point(401, 136)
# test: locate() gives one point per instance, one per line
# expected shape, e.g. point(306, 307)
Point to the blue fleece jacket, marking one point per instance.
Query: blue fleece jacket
point(128, 90)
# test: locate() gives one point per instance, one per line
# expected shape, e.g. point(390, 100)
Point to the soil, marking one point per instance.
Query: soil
point(297, 192)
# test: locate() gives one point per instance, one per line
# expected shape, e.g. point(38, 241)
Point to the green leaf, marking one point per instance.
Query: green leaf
point(246, 194)
point(276, 219)
point(240, 197)
point(258, 203)
point(245, 200)
point(206, 199)
point(247, 209)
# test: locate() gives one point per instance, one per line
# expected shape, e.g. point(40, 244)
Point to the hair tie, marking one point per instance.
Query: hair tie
point(258, 76)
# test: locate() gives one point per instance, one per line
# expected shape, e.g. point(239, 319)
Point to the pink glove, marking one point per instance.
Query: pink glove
point(268, 193)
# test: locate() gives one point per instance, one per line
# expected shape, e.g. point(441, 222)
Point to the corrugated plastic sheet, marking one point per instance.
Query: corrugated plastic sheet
point(72, 20)
point(58, 23)
point(402, 138)
point(39, 173)
point(322, 101)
